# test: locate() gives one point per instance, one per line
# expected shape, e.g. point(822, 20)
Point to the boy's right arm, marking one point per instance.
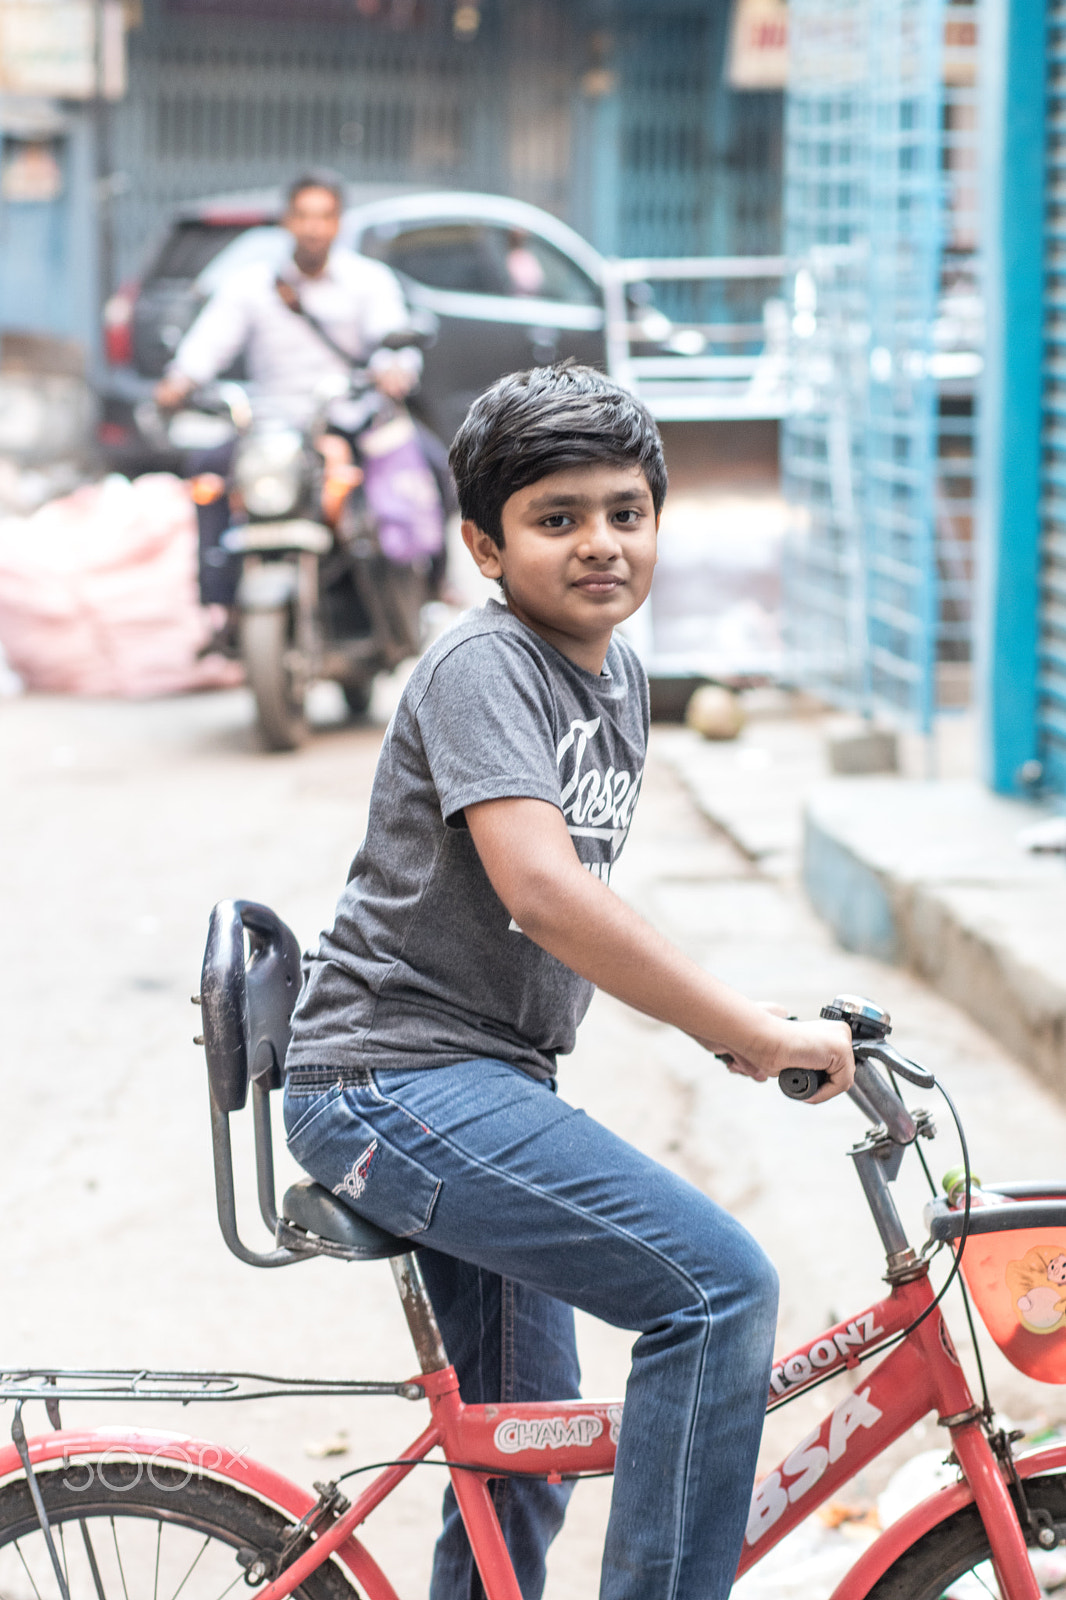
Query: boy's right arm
point(531, 863)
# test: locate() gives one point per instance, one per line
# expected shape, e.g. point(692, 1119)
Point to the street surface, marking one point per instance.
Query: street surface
point(123, 824)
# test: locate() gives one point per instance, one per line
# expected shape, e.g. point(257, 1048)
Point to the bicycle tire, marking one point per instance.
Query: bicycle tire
point(139, 1530)
point(939, 1562)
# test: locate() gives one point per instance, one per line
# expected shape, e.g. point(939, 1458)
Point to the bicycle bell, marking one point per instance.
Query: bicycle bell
point(865, 1019)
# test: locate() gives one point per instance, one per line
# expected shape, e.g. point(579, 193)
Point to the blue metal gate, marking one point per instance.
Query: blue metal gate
point(1051, 714)
point(222, 100)
point(878, 451)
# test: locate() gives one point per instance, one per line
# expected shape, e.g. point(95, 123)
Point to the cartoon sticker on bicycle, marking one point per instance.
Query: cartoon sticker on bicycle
point(1037, 1284)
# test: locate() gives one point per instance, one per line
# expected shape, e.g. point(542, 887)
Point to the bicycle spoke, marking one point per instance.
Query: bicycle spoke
point(63, 1551)
point(188, 1574)
point(118, 1558)
point(29, 1574)
point(238, 1579)
point(90, 1556)
point(158, 1548)
point(967, 1584)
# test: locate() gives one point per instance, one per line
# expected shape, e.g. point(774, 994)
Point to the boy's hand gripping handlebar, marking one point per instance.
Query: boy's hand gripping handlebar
point(876, 1099)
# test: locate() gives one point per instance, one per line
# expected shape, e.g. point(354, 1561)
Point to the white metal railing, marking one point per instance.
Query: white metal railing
point(696, 372)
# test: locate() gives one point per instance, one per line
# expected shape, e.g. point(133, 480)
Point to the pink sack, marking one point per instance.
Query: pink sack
point(98, 593)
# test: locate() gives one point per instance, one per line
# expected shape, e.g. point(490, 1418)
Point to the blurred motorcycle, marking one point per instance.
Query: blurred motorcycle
point(337, 554)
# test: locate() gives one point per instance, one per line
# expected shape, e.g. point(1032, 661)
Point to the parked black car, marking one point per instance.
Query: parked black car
point(505, 285)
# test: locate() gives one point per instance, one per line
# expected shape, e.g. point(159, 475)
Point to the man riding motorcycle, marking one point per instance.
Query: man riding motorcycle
point(299, 327)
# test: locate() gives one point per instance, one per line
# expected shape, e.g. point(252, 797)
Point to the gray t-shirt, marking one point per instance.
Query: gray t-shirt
point(423, 966)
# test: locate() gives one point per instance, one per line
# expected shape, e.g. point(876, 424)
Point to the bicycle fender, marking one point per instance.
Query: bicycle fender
point(204, 1457)
point(876, 1560)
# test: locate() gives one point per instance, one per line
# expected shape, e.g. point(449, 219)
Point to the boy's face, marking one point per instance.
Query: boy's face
point(579, 549)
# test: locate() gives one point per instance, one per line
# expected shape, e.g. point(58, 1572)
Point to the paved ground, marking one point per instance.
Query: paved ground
point(122, 825)
point(935, 875)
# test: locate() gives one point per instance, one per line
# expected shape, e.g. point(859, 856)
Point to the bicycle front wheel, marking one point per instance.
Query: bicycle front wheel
point(139, 1530)
point(952, 1561)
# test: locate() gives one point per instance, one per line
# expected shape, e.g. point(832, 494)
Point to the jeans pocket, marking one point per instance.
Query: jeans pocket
point(347, 1154)
point(301, 1108)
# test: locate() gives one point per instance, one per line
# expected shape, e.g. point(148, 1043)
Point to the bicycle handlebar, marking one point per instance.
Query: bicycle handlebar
point(875, 1097)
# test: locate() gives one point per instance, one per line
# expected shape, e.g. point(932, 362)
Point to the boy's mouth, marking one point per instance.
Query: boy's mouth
point(599, 583)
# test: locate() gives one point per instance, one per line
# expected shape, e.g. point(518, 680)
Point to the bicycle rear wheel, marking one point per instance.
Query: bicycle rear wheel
point(952, 1561)
point(139, 1530)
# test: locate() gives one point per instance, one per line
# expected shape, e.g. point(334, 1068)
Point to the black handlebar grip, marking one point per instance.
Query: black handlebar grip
point(799, 1084)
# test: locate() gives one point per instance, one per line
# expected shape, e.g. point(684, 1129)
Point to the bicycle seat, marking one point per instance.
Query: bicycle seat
point(309, 1206)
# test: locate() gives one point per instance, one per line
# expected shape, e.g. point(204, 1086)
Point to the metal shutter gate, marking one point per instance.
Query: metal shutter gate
point(878, 452)
point(224, 99)
point(1051, 680)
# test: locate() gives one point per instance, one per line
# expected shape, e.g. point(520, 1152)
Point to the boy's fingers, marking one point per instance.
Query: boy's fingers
point(841, 1069)
point(745, 1069)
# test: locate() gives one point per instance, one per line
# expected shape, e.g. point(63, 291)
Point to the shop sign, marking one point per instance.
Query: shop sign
point(50, 47)
point(758, 45)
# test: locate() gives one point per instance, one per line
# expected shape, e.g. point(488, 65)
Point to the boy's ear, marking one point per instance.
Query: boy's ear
point(483, 549)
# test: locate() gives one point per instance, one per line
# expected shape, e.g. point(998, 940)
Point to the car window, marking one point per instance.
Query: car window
point(189, 247)
point(270, 244)
point(535, 269)
point(443, 255)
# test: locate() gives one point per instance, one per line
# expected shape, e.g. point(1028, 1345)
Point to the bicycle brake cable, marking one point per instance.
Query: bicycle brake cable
point(467, 1466)
point(963, 1291)
point(905, 1333)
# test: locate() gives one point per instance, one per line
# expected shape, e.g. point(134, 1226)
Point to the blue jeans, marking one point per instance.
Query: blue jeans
point(523, 1203)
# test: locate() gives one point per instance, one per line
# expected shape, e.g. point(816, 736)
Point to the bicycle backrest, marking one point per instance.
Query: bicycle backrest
point(247, 1002)
point(247, 998)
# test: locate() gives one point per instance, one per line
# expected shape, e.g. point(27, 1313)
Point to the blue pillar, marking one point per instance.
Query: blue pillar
point(597, 128)
point(48, 248)
point(1013, 79)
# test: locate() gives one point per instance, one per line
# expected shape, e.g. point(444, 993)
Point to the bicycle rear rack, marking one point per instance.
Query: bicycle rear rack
point(52, 1384)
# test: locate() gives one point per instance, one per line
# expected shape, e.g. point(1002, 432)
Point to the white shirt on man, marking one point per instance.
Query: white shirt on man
point(357, 301)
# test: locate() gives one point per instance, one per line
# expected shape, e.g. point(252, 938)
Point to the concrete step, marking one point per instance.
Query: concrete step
point(932, 875)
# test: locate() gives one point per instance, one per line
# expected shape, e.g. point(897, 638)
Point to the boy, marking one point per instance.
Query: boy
point(476, 921)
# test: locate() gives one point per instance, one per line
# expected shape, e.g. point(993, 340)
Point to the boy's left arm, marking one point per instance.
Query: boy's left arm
point(531, 863)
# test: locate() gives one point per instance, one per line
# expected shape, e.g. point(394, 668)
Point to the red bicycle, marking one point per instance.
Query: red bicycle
point(109, 1514)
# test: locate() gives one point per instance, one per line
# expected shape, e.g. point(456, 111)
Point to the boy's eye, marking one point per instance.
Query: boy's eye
point(557, 519)
point(629, 517)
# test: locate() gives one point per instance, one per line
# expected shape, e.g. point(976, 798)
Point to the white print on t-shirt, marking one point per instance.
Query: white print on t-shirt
point(596, 804)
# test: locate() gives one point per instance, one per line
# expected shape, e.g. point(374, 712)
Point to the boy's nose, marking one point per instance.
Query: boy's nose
point(601, 540)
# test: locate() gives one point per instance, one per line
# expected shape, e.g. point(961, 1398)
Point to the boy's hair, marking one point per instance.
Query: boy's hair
point(530, 424)
point(316, 178)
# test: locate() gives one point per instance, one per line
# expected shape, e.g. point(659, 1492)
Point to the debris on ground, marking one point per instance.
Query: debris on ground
point(835, 1514)
point(335, 1445)
point(1047, 837)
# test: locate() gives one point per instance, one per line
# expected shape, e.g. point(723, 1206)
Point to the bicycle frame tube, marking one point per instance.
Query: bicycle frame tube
point(571, 1437)
point(921, 1374)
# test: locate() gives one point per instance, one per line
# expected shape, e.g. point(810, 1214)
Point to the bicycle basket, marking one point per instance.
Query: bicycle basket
point(1017, 1277)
